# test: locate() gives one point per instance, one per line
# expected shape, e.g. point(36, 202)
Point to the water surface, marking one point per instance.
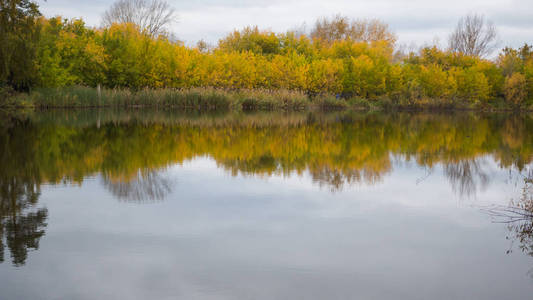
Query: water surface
point(103, 204)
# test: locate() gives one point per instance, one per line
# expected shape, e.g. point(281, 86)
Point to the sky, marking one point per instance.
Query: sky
point(415, 22)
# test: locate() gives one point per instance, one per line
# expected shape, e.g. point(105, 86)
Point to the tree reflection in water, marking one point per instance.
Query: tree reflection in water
point(518, 216)
point(466, 176)
point(146, 186)
point(131, 149)
point(336, 179)
point(22, 224)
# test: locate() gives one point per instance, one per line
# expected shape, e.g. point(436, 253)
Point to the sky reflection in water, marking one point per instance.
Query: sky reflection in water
point(156, 205)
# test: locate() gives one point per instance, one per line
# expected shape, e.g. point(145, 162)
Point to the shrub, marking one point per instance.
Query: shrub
point(516, 89)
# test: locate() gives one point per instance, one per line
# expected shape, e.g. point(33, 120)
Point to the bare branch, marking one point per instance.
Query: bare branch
point(473, 36)
point(152, 16)
point(341, 28)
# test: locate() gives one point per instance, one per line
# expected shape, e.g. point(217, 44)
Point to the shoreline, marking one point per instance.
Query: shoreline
point(213, 99)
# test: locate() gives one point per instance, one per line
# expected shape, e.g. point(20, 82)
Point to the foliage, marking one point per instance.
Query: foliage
point(19, 34)
point(251, 39)
point(516, 89)
point(356, 60)
point(517, 66)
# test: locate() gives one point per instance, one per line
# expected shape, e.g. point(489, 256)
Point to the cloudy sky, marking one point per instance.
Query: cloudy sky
point(416, 22)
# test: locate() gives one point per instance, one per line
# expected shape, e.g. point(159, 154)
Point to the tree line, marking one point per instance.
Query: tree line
point(340, 56)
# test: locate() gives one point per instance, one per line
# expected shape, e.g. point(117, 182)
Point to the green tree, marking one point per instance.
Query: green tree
point(19, 34)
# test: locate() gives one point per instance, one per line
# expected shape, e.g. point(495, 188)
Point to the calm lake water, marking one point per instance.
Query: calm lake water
point(172, 205)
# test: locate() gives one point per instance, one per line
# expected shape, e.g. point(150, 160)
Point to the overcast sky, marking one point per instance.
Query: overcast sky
point(416, 22)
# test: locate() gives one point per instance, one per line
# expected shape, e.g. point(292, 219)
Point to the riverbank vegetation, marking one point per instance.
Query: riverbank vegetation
point(340, 62)
point(190, 98)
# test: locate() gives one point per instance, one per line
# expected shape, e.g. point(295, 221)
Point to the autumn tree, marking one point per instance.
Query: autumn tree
point(517, 66)
point(509, 61)
point(516, 89)
point(203, 46)
point(251, 39)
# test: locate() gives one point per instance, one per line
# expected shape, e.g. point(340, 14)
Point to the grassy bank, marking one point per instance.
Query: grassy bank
point(223, 99)
point(195, 98)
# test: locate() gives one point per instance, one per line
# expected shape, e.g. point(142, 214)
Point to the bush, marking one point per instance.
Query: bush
point(358, 102)
point(331, 102)
point(516, 89)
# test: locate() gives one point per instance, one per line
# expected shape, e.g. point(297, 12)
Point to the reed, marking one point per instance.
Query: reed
point(194, 98)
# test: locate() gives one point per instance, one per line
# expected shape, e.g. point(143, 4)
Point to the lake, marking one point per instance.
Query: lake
point(147, 204)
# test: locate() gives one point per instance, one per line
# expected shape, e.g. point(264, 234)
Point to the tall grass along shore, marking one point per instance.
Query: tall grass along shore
point(220, 99)
point(193, 98)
